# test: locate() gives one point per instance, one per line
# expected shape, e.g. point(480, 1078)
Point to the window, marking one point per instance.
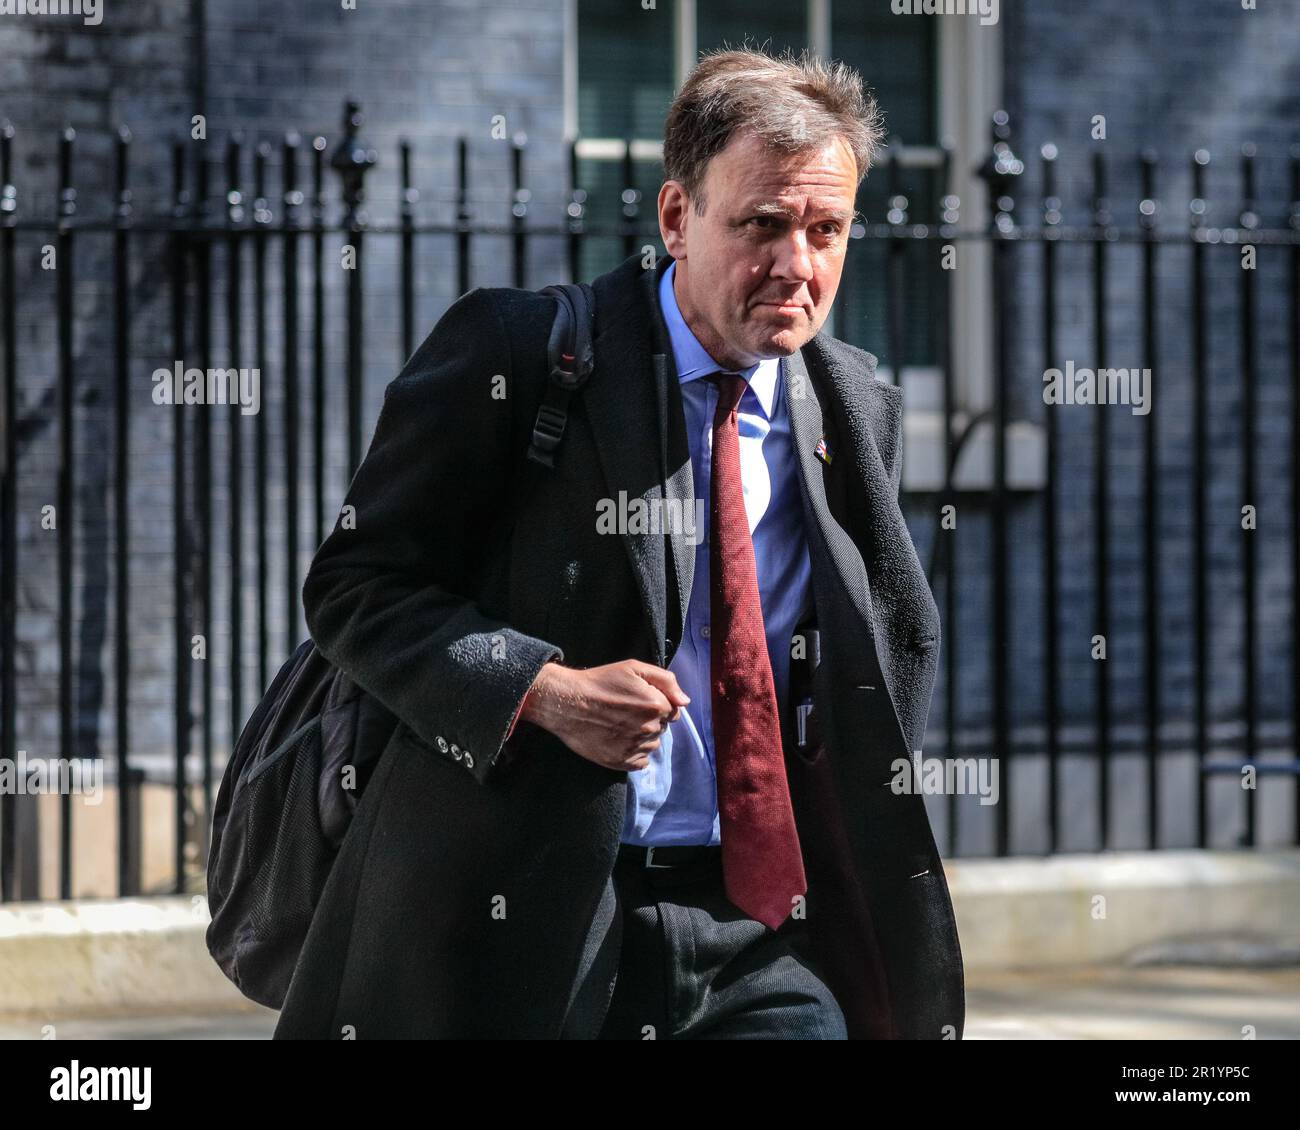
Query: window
point(898, 58)
point(625, 80)
point(938, 81)
point(774, 27)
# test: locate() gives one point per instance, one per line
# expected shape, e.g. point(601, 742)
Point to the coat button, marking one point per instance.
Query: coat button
point(455, 751)
point(442, 743)
point(469, 760)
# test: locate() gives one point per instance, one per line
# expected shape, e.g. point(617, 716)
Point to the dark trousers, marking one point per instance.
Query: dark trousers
point(692, 966)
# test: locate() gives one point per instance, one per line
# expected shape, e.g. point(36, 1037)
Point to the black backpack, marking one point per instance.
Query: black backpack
point(284, 807)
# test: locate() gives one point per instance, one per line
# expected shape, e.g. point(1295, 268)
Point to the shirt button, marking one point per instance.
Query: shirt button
point(704, 631)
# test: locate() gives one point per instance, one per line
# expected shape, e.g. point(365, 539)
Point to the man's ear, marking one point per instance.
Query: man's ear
point(674, 205)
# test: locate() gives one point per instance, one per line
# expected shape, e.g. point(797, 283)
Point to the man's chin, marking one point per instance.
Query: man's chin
point(785, 342)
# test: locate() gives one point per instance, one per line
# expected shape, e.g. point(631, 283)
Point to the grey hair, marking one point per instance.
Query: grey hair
point(791, 103)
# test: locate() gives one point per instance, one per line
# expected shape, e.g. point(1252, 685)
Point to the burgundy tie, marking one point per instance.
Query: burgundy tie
point(761, 861)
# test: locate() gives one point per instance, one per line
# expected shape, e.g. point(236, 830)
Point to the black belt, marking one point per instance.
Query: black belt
point(670, 856)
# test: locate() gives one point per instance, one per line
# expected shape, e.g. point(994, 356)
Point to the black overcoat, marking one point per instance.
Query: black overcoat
point(473, 895)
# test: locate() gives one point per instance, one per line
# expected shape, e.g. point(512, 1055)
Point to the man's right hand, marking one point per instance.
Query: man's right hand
point(613, 715)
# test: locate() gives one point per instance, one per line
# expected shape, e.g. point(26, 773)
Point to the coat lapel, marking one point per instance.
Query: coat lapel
point(841, 571)
point(634, 406)
point(829, 547)
point(679, 478)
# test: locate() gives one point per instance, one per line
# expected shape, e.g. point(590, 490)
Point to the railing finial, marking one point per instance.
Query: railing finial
point(999, 171)
point(352, 160)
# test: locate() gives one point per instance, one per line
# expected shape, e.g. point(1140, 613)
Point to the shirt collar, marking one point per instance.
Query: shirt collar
point(693, 360)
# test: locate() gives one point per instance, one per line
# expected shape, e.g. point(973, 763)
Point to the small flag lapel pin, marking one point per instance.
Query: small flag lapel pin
point(822, 451)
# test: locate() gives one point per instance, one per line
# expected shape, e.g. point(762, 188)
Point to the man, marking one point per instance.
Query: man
point(603, 813)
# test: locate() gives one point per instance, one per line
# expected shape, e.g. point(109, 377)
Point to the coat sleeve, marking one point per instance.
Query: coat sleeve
point(385, 596)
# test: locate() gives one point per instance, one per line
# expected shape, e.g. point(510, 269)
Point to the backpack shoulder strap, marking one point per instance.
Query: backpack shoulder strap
point(569, 363)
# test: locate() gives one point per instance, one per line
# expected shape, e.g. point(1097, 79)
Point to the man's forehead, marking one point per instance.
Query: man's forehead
point(812, 182)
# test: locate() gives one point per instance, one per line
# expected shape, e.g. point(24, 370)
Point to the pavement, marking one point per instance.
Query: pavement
point(1182, 1002)
point(1144, 1003)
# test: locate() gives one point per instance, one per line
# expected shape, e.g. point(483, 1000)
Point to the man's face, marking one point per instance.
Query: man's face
point(757, 273)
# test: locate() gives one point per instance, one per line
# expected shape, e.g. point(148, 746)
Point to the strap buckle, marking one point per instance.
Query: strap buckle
point(548, 428)
point(567, 374)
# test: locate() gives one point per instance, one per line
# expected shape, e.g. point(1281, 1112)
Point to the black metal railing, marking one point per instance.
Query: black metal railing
point(240, 232)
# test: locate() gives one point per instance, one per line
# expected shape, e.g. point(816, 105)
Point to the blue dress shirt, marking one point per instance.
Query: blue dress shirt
point(673, 800)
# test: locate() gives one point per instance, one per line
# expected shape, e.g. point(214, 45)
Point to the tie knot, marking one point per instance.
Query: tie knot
point(731, 387)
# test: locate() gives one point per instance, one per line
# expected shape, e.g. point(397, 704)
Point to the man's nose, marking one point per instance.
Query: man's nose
point(792, 258)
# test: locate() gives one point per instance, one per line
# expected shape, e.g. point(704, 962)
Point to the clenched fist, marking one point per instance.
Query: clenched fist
point(612, 715)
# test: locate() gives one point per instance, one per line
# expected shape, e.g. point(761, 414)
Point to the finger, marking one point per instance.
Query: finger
point(665, 681)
